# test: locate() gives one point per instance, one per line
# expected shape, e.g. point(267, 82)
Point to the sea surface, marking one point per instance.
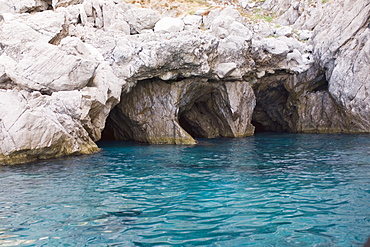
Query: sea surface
point(267, 190)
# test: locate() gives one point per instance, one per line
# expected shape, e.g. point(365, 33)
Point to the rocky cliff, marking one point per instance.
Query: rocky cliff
point(73, 72)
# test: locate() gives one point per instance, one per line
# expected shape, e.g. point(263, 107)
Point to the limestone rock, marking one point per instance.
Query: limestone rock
point(220, 25)
point(284, 31)
point(32, 128)
point(158, 112)
point(180, 54)
point(22, 6)
point(104, 93)
point(320, 114)
point(228, 13)
point(141, 19)
point(168, 25)
point(342, 51)
point(225, 69)
point(114, 19)
point(228, 23)
point(65, 3)
point(48, 68)
point(193, 20)
point(63, 71)
point(275, 46)
point(305, 35)
point(13, 31)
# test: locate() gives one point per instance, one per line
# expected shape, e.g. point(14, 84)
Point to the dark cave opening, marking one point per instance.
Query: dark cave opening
point(203, 115)
point(190, 119)
point(186, 125)
point(259, 128)
point(108, 131)
point(319, 84)
point(117, 127)
point(272, 112)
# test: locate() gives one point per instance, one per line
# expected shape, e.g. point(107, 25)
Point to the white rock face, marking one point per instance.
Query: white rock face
point(141, 19)
point(193, 20)
point(63, 71)
point(275, 46)
point(47, 67)
point(21, 6)
point(169, 25)
point(225, 69)
point(305, 35)
point(345, 57)
point(34, 127)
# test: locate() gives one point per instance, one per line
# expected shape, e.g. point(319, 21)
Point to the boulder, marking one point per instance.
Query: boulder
point(305, 34)
point(114, 18)
point(48, 68)
point(141, 19)
point(193, 20)
point(275, 46)
point(168, 25)
point(225, 69)
point(22, 6)
point(33, 127)
point(220, 13)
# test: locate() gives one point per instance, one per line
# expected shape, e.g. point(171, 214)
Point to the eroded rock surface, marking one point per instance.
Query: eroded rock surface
point(157, 111)
point(66, 65)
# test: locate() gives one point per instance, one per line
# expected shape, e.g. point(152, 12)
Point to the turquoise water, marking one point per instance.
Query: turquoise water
point(267, 190)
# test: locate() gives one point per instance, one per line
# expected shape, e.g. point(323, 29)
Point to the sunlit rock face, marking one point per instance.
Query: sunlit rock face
point(66, 65)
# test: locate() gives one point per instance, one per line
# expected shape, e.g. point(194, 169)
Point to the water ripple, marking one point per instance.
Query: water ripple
point(268, 190)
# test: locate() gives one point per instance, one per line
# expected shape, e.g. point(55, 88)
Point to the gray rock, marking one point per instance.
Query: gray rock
point(46, 67)
point(275, 46)
point(22, 6)
point(155, 111)
point(343, 55)
point(284, 31)
point(228, 13)
point(225, 69)
point(33, 126)
point(61, 78)
point(223, 26)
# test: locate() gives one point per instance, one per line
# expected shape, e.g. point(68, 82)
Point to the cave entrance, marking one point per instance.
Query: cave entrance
point(202, 119)
point(142, 117)
point(117, 127)
point(258, 127)
point(198, 109)
point(190, 126)
point(272, 112)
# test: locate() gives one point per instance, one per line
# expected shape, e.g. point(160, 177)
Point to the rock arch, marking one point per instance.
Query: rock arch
point(163, 112)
